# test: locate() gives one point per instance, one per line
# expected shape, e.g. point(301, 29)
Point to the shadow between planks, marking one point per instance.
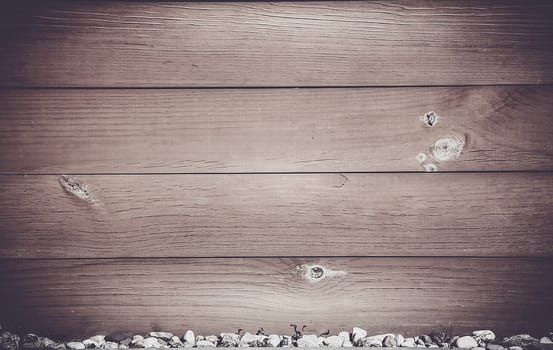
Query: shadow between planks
point(72, 298)
point(331, 43)
point(111, 216)
point(503, 128)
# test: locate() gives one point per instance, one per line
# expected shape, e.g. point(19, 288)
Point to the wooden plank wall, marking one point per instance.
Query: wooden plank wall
point(167, 166)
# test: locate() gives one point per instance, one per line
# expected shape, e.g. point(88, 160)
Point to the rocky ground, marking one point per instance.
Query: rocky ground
point(358, 337)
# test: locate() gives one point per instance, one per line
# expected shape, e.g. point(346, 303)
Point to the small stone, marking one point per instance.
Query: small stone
point(483, 337)
point(426, 339)
point(373, 341)
point(491, 346)
point(408, 343)
point(31, 341)
point(137, 338)
point(274, 340)
point(389, 341)
point(346, 336)
point(110, 345)
point(204, 343)
point(358, 334)
point(286, 341)
point(439, 337)
point(127, 342)
point(453, 340)
point(419, 341)
point(212, 338)
point(334, 341)
point(308, 341)
point(151, 342)
point(60, 347)
point(75, 345)
point(47, 342)
point(94, 342)
point(521, 340)
point(189, 338)
point(161, 335)
point(546, 340)
point(175, 342)
point(466, 342)
point(229, 339)
point(9, 341)
point(249, 339)
point(399, 339)
point(118, 336)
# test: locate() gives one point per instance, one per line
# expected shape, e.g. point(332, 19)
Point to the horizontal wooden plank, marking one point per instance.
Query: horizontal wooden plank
point(273, 130)
point(409, 295)
point(407, 42)
point(277, 215)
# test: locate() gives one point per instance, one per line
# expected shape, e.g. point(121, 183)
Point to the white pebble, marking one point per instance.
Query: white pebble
point(373, 341)
point(307, 341)
point(399, 339)
point(358, 333)
point(189, 338)
point(110, 345)
point(334, 341)
point(274, 340)
point(205, 343)
point(75, 345)
point(249, 338)
point(95, 341)
point(483, 336)
point(150, 342)
point(546, 340)
point(466, 342)
point(137, 338)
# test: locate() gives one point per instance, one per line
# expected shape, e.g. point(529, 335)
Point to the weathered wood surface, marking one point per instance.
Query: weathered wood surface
point(407, 42)
point(277, 215)
point(268, 130)
point(409, 295)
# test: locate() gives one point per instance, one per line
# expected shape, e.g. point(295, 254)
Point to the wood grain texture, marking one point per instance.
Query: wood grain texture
point(272, 130)
point(408, 42)
point(409, 295)
point(277, 215)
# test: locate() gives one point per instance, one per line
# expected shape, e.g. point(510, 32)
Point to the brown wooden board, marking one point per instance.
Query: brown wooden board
point(463, 214)
point(272, 130)
point(407, 42)
point(408, 295)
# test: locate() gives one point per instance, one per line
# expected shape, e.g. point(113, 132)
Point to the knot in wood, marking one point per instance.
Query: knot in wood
point(317, 272)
